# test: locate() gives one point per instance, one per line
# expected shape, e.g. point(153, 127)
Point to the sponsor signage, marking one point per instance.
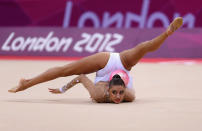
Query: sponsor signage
point(75, 42)
point(100, 13)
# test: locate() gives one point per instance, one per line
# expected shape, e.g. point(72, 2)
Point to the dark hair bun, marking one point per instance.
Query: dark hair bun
point(116, 76)
point(116, 80)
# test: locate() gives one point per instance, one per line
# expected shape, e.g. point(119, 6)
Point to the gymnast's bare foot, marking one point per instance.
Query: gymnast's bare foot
point(176, 23)
point(20, 87)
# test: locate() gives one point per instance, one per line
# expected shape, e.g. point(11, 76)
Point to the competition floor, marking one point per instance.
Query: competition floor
point(169, 98)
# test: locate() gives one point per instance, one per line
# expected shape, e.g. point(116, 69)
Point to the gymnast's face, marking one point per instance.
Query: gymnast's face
point(117, 93)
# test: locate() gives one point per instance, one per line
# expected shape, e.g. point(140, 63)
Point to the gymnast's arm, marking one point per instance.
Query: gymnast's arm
point(87, 83)
point(129, 95)
point(66, 87)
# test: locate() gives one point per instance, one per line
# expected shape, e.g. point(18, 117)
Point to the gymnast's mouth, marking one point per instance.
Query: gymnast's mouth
point(117, 100)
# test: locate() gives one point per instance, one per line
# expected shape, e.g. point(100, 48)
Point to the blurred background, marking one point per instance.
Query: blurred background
point(77, 28)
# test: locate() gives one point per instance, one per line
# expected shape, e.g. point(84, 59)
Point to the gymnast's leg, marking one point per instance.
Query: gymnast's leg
point(130, 57)
point(86, 65)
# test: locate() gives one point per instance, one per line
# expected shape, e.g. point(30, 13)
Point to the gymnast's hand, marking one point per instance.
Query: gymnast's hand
point(55, 91)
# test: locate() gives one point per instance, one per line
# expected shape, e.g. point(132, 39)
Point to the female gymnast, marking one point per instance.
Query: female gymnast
point(112, 83)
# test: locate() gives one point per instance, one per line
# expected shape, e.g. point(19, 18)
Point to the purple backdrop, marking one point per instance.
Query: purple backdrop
point(74, 42)
point(99, 13)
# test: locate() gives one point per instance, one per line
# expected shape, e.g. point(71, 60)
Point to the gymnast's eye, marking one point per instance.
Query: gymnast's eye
point(121, 92)
point(114, 92)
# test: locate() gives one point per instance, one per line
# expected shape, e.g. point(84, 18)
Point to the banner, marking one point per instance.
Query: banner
point(75, 42)
point(100, 13)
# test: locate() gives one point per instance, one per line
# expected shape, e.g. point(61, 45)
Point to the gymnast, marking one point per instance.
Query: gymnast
point(113, 83)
